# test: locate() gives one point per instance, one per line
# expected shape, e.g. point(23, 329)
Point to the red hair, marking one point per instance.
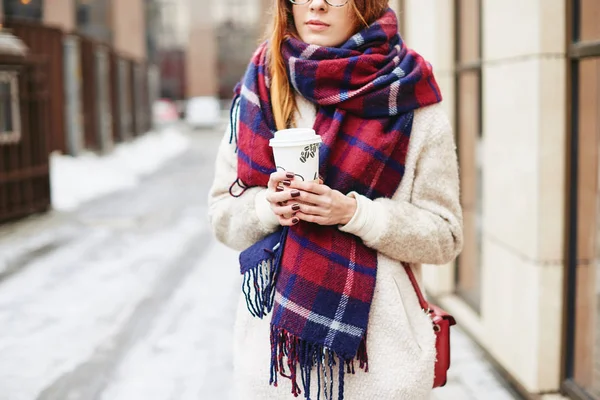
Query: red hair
point(282, 93)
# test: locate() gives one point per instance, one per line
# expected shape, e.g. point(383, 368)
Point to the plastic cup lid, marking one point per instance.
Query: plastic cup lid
point(295, 137)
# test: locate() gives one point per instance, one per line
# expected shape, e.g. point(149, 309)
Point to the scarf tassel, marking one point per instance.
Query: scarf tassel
point(234, 115)
point(301, 357)
point(256, 289)
point(258, 283)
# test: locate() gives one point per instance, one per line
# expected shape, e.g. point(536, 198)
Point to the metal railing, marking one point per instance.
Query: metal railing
point(46, 43)
point(78, 94)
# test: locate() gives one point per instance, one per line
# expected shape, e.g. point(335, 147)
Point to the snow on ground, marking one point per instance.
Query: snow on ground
point(187, 355)
point(75, 180)
point(56, 313)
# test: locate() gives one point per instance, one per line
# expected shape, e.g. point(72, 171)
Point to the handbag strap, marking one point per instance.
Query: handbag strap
point(413, 280)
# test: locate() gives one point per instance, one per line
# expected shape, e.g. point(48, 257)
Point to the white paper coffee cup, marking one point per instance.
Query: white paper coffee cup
point(297, 150)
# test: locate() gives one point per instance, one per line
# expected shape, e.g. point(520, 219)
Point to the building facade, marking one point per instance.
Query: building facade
point(120, 23)
point(87, 83)
point(521, 83)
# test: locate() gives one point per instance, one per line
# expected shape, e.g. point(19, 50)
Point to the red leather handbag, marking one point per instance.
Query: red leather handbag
point(442, 321)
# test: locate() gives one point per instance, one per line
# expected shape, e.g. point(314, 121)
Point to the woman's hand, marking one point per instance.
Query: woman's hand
point(278, 183)
point(310, 202)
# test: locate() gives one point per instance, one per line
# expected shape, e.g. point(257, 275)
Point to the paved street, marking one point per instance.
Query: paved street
point(130, 298)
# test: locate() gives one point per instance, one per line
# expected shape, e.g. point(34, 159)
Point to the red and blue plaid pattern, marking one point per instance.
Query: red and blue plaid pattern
point(319, 281)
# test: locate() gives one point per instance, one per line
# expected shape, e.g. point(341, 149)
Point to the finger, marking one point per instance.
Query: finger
point(281, 209)
point(306, 197)
point(308, 209)
point(288, 221)
point(293, 201)
point(273, 182)
point(315, 219)
point(282, 185)
point(311, 187)
point(278, 197)
point(297, 196)
point(279, 176)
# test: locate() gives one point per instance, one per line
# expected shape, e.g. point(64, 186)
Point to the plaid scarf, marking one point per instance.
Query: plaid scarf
point(317, 280)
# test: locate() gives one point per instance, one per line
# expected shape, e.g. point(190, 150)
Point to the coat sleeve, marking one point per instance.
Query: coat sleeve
point(237, 222)
point(428, 229)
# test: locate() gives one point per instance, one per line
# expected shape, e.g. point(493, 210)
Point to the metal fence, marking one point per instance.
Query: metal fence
point(46, 43)
point(116, 100)
point(87, 97)
point(24, 141)
point(105, 96)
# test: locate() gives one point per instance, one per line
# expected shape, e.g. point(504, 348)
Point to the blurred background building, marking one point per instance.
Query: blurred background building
point(521, 82)
point(86, 83)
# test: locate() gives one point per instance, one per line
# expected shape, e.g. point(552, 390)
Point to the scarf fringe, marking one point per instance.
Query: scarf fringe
point(258, 283)
point(301, 356)
point(258, 290)
point(234, 115)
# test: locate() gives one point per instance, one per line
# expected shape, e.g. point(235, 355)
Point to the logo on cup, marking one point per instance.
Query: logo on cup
point(309, 152)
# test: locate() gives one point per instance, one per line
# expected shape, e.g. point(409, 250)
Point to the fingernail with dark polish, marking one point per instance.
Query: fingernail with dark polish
point(295, 221)
point(290, 175)
point(295, 193)
point(287, 183)
point(296, 207)
point(279, 189)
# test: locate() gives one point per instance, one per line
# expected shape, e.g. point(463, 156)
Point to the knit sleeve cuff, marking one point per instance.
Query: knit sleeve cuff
point(366, 222)
point(263, 210)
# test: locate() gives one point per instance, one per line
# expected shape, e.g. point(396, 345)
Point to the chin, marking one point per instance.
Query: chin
point(319, 41)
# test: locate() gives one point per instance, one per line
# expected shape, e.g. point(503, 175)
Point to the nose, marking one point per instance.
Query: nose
point(318, 5)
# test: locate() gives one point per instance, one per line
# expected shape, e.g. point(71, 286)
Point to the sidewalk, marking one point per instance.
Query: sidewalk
point(82, 289)
point(471, 376)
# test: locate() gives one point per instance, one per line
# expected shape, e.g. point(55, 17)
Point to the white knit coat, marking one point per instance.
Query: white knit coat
point(422, 223)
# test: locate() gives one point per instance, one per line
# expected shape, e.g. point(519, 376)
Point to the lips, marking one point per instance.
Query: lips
point(316, 22)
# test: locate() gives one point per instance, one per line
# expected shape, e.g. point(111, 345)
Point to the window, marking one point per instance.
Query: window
point(469, 141)
point(23, 9)
point(93, 19)
point(10, 118)
point(583, 277)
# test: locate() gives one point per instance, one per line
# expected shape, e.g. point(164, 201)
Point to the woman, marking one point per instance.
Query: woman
point(324, 285)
